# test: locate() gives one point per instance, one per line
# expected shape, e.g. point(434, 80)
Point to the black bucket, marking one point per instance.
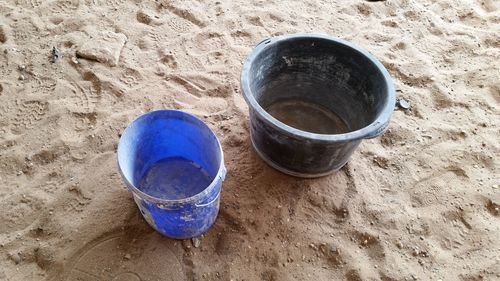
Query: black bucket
point(312, 99)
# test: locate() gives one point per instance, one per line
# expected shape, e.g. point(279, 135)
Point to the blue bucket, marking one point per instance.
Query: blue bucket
point(174, 166)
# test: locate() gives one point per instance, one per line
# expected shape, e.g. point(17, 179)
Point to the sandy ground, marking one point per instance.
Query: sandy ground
point(419, 203)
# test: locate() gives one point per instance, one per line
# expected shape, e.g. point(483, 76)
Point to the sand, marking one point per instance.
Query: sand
point(419, 203)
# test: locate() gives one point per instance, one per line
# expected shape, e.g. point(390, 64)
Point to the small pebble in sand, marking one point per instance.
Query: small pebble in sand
point(55, 54)
point(21, 77)
point(15, 257)
point(127, 256)
point(21, 67)
point(196, 242)
point(344, 213)
point(404, 104)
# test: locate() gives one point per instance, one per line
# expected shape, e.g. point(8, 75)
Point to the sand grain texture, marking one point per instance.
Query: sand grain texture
point(419, 203)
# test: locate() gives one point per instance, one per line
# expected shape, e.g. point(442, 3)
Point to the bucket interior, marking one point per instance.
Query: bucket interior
point(169, 155)
point(317, 85)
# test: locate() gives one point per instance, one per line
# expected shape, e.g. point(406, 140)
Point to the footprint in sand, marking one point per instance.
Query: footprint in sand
point(244, 38)
point(192, 12)
point(29, 4)
point(19, 212)
point(125, 257)
point(23, 115)
point(424, 192)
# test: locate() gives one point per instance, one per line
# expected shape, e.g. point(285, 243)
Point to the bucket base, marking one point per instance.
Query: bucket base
point(289, 172)
point(307, 116)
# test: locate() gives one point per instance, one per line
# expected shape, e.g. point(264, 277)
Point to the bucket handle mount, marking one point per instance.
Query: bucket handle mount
point(265, 41)
point(209, 203)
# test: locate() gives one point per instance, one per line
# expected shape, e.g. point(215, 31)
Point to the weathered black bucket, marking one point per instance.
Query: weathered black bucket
point(312, 99)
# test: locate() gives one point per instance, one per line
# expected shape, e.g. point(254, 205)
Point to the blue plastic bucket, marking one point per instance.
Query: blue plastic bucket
point(174, 166)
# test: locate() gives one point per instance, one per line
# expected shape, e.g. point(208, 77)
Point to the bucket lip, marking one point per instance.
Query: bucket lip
point(378, 125)
point(221, 173)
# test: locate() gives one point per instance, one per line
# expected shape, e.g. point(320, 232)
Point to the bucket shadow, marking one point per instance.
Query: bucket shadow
point(253, 185)
point(268, 189)
point(261, 205)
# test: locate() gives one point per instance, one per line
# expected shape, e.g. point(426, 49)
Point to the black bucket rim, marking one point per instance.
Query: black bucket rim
point(374, 129)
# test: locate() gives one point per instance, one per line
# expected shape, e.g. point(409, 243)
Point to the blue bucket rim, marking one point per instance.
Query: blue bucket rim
point(375, 128)
point(221, 173)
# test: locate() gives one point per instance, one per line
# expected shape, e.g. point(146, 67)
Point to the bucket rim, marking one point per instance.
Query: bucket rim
point(373, 129)
point(220, 176)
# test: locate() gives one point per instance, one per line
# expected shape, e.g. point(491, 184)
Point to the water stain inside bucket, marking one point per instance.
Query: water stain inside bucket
point(174, 178)
point(307, 116)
